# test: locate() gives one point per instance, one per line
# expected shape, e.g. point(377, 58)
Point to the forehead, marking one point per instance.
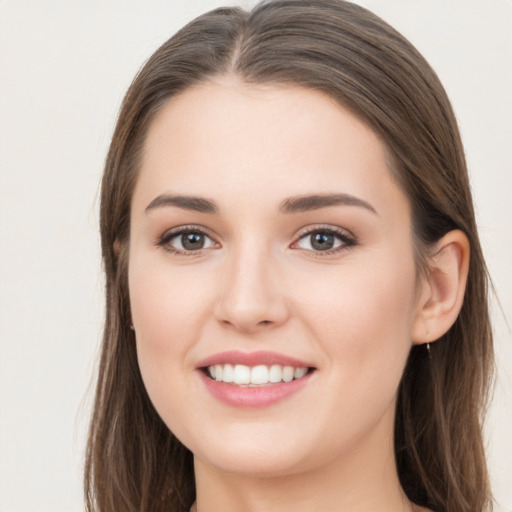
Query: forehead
point(264, 141)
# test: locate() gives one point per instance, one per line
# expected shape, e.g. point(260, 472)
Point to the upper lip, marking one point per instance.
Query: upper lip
point(252, 359)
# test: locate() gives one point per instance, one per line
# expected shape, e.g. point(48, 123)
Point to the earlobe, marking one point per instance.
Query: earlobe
point(443, 288)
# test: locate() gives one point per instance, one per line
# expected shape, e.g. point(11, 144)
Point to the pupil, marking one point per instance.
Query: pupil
point(322, 241)
point(192, 241)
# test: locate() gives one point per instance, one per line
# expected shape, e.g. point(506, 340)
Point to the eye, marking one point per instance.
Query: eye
point(186, 240)
point(326, 240)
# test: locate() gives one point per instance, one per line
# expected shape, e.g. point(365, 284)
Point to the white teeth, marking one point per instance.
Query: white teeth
point(288, 373)
point(275, 374)
point(243, 375)
point(299, 372)
point(228, 374)
point(259, 375)
point(218, 371)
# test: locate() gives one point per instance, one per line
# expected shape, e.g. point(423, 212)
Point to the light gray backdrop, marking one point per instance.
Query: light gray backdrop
point(64, 66)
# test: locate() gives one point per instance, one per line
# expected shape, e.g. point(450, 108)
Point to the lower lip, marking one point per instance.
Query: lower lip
point(260, 396)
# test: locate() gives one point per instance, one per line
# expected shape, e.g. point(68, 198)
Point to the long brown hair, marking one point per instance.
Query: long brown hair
point(134, 463)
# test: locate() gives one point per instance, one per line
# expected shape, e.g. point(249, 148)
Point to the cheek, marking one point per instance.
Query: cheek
point(361, 321)
point(362, 315)
point(167, 312)
point(167, 304)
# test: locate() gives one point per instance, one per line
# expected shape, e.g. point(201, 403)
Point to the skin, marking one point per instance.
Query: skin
point(259, 285)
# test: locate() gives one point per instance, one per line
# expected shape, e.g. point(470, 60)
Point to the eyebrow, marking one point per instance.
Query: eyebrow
point(294, 204)
point(317, 201)
point(196, 204)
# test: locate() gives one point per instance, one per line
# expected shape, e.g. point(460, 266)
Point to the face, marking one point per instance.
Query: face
point(272, 280)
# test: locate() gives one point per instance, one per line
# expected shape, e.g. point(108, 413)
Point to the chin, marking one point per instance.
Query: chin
point(260, 452)
point(253, 465)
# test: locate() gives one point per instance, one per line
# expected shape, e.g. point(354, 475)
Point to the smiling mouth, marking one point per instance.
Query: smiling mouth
point(255, 376)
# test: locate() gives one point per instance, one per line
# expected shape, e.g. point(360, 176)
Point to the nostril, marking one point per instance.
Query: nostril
point(262, 323)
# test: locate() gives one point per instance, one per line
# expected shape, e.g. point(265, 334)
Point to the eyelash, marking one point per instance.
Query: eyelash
point(347, 239)
point(165, 239)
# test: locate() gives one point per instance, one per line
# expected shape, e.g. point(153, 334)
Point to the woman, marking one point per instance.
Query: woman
point(296, 296)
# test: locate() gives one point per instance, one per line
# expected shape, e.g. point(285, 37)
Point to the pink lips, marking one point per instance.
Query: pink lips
point(261, 396)
point(251, 359)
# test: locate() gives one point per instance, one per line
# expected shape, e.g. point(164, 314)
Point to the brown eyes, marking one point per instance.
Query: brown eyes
point(190, 240)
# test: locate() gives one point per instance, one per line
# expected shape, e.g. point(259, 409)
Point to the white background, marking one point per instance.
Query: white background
point(64, 66)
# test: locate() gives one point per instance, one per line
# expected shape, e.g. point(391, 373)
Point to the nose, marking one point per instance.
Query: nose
point(252, 295)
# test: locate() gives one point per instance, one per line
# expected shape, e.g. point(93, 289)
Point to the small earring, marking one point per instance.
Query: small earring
point(131, 327)
point(427, 333)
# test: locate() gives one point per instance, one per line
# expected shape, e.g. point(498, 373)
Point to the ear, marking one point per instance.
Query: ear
point(442, 288)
